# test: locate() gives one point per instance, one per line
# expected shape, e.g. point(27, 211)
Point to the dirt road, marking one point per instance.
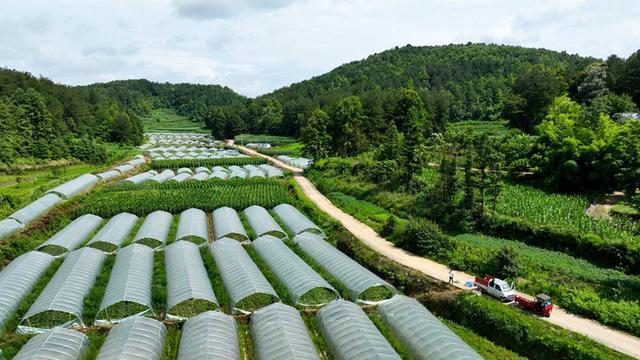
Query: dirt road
point(618, 340)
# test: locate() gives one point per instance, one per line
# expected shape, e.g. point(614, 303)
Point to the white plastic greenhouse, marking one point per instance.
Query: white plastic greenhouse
point(128, 292)
point(193, 226)
point(187, 279)
point(222, 175)
point(62, 300)
point(293, 272)
point(75, 186)
point(18, 279)
point(108, 175)
point(154, 229)
point(211, 335)
point(295, 221)
point(140, 178)
point(72, 236)
point(114, 233)
point(423, 334)
point(278, 332)
point(163, 176)
point(124, 168)
point(32, 211)
point(57, 343)
point(240, 275)
point(134, 338)
point(226, 223)
point(262, 223)
point(201, 176)
point(9, 226)
point(350, 334)
point(181, 177)
point(356, 278)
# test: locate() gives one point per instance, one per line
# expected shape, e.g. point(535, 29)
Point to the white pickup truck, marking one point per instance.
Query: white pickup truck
point(496, 288)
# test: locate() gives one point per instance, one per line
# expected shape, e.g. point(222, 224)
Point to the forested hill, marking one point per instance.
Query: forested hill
point(191, 100)
point(43, 120)
point(470, 81)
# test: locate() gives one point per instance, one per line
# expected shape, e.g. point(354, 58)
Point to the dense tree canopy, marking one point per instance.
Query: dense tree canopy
point(43, 120)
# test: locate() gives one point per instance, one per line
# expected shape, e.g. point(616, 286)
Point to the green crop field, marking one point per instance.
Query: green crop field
point(264, 138)
point(166, 120)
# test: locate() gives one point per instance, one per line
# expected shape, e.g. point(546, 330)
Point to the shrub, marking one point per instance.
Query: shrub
point(424, 237)
point(516, 330)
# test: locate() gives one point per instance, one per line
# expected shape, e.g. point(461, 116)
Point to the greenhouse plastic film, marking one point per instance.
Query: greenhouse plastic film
point(262, 223)
point(75, 186)
point(116, 231)
point(293, 272)
point(222, 175)
point(163, 176)
point(67, 289)
point(347, 271)
point(295, 221)
point(278, 332)
point(18, 279)
point(226, 223)
point(201, 176)
point(73, 234)
point(156, 228)
point(134, 338)
point(130, 281)
point(239, 273)
point(211, 335)
point(108, 175)
point(351, 335)
point(57, 343)
point(423, 334)
point(9, 226)
point(187, 277)
point(32, 211)
point(193, 224)
point(140, 178)
point(124, 168)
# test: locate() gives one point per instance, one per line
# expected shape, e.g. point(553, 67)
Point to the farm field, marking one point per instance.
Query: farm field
point(484, 126)
point(152, 229)
point(580, 286)
point(166, 120)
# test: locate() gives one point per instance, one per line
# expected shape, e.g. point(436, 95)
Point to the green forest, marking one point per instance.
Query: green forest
point(563, 111)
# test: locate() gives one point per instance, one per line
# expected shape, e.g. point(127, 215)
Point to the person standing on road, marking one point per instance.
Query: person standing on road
point(450, 276)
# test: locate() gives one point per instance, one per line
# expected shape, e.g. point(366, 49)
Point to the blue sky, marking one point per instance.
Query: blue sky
point(255, 46)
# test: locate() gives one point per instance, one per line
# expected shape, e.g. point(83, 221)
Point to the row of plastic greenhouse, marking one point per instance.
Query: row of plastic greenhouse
point(209, 154)
point(203, 173)
point(24, 216)
point(277, 331)
point(298, 162)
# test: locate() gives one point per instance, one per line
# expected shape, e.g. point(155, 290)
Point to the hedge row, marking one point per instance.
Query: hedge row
point(621, 255)
point(515, 330)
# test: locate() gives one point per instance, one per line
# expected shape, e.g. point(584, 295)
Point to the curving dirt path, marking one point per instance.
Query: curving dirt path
point(615, 339)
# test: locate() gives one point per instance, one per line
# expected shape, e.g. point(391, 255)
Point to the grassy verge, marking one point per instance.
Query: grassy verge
point(484, 347)
point(318, 341)
point(247, 350)
point(515, 330)
point(171, 342)
point(94, 299)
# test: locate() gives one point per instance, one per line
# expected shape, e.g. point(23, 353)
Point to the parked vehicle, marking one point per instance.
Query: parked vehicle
point(541, 305)
point(495, 287)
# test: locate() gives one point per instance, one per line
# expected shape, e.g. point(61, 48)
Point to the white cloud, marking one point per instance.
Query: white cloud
point(255, 46)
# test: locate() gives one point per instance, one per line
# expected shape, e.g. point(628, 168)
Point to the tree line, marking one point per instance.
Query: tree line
point(43, 120)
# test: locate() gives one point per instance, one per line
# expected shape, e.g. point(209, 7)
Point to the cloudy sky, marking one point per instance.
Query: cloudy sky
point(255, 46)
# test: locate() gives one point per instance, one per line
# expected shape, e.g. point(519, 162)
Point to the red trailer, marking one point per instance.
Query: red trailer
point(541, 305)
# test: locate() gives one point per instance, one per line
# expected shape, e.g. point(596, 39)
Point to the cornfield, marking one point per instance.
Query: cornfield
point(174, 200)
point(194, 163)
point(562, 211)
